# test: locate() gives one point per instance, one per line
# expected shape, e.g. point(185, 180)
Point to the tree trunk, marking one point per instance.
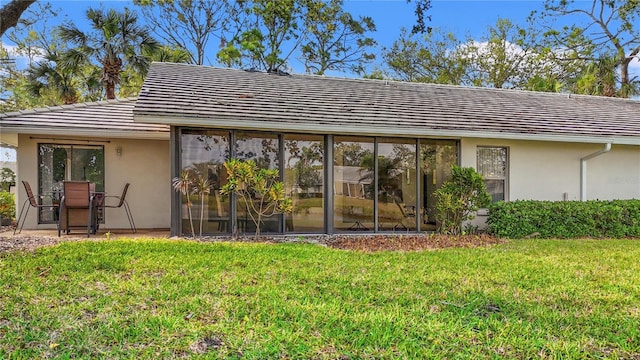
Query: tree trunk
point(11, 12)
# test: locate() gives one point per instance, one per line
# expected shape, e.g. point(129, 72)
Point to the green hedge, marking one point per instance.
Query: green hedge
point(565, 219)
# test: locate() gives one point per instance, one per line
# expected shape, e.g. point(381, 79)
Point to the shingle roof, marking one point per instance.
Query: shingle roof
point(198, 95)
point(110, 118)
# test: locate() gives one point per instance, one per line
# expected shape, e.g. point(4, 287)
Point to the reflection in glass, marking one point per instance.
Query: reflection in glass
point(203, 154)
point(304, 182)
point(353, 184)
point(263, 149)
point(396, 184)
point(436, 159)
point(60, 162)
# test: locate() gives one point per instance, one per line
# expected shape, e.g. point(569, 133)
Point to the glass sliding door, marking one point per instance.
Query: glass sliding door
point(436, 159)
point(264, 150)
point(304, 182)
point(60, 162)
point(397, 185)
point(353, 187)
point(202, 157)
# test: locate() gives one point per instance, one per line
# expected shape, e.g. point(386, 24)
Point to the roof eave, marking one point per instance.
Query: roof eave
point(102, 133)
point(345, 129)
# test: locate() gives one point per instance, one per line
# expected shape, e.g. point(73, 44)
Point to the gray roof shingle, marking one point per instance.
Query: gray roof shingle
point(196, 95)
point(111, 118)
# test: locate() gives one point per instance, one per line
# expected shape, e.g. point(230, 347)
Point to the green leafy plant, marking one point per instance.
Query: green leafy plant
point(260, 190)
point(7, 205)
point(459, 198)
point(565, 219)
point(7, 178)
point(183, 185)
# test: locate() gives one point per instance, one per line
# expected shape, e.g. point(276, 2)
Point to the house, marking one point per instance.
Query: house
point(99, 142)
point(355, 154)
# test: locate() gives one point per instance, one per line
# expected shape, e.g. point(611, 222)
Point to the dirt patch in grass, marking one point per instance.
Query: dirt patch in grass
point(409, 242)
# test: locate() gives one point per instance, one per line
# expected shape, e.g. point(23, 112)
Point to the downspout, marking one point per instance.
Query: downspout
point(583, 169)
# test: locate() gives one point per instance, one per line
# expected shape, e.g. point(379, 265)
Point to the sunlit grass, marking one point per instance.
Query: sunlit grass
point(162, 298)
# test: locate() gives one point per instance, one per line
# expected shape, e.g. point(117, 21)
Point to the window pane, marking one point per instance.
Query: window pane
point(396, 184)
point(495, 189)
point(492, 162)
point(203, 155)
point(304, 182)
point(353, 184)
point(263, 149)
point(436, 159)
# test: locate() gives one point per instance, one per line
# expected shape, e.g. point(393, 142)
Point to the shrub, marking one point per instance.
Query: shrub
point(258, 189)
point(565, 219)
point(459, 198)
point(7, 205)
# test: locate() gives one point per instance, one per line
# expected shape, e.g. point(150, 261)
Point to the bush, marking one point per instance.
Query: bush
point(7, 205)
point(565, 219)
point(459, 198)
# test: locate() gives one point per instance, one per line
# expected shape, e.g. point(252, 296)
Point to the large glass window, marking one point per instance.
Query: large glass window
point(203, 156)
point(353, 173)
point(304, 182)
point(436, 159)
point(396, 184)
point(264, 150)
point(60, 162)
point(492, 165)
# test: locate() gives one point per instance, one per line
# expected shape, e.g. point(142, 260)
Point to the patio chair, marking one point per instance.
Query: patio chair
point(77, 208)
point(122, 202)
point(32, 201)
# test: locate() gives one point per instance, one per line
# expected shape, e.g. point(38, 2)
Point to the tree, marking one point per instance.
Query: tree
point(183, 184)
point(7, 179)
point(610, 31)
point(502, 58)
point(260, 190)
point(335, 40)
point(50, 79)
point(426, 58)
point(115, 42)
point(189, 24)
point(10, 13)
point(421, 7)
point(270, 33)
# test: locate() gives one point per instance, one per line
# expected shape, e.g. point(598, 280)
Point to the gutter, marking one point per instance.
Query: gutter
point(583, 169)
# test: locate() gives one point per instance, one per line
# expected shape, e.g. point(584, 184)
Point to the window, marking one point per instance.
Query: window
point(59, 162)
point(492, 165)
point(353, 175)
point(304, 182)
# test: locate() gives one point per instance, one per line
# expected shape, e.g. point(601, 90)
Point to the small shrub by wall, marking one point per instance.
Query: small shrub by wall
point(565, 219)
point(7, 205)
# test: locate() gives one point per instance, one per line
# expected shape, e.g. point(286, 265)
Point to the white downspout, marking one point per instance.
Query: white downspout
point(583, 170)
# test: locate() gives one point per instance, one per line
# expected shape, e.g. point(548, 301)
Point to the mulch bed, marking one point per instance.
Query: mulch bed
point(359, 242)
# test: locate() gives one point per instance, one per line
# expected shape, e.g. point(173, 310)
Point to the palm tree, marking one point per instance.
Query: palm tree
point(183, 184)
point(115, 42)
point(50, 79)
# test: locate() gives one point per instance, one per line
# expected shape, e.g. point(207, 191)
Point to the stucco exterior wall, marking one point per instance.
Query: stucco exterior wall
point(542, 170)
point(145, 164)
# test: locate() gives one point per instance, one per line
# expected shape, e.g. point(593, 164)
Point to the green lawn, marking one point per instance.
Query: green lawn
point(162, 299)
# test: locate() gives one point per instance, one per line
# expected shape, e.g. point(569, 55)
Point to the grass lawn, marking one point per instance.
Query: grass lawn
point(164, 299)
